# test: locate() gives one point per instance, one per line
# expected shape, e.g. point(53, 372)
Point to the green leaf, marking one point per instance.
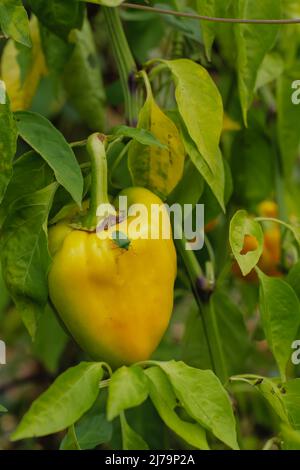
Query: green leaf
point(215, 180)
point(214, 8)
point(8, 143)
point(213, 207)
point(270, 70)
point(57, 51)
point(253, 43)
point(241, 226)
point(293, 278)
point(252, 166)
point(288, 123)
point(270, 391)
point(140, 135)
point(30, 173)
point(70, 442)
point(226, 38)
point(4, 297)
point(59, 17)
point(65, 401)
point(24, 252)
point(187, 27)
point(195, 351)
point(14, 21)
point(291, 399)
point(202, 395)
point(235, 338)
point(147, 423)
point(83, 79)
point(46, 140)
point(131, 440)
point(128, 388)
point(164, 400)
point(90, 431)
point(2, 409)
point(200, 106)
point(280, 313)
point(157, 168)
point(190, 187)
point(44, 348)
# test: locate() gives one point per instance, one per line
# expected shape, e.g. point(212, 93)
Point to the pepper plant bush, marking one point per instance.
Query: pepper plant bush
point(96, 98)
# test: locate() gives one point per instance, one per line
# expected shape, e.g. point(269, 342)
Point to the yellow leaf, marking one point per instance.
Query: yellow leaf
point(22, 84)
point(158, 169)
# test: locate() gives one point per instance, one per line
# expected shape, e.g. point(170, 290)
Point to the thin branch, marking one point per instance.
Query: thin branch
point(164, 11)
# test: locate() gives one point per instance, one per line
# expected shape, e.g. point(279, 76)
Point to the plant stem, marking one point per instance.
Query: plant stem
point(165, 11)
point(104, 383)
point(125, 62)
point(79, 143)
point(202, 292)
point(146, 83)
point(190, 261)
point(99, 195)
point(215, 344)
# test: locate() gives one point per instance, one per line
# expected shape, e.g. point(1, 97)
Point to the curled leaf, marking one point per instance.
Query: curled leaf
point(246, 240)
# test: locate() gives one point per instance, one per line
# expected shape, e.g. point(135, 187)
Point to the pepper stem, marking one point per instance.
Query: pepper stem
point(99, 194)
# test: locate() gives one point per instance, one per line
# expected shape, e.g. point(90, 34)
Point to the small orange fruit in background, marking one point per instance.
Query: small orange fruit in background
point(270, 259)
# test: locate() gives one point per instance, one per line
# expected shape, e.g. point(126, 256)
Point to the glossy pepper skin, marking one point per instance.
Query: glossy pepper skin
point(116, 302)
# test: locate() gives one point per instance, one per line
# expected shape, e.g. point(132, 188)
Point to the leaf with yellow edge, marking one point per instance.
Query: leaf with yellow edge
point(23, 68)
point(157, 168)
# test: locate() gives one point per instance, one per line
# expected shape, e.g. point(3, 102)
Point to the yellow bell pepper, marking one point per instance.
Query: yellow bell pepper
point(115, 298)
